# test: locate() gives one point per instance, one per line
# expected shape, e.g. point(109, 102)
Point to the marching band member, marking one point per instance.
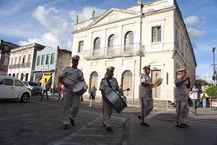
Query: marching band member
point(182, 83)
point(106, 84)
point(145, 95)
point(69, 77)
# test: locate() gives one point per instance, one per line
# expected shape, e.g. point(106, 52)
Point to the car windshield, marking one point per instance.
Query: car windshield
point(33, 84)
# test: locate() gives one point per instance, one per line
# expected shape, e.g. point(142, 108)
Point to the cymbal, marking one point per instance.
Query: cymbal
point(158, 82)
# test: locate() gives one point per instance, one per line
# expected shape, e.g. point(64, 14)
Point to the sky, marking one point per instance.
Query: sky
point(50, 22)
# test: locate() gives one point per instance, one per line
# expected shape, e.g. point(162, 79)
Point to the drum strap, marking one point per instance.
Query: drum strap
point(108, 83)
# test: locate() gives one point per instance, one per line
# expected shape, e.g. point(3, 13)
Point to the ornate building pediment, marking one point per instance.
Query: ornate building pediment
point(114, 15)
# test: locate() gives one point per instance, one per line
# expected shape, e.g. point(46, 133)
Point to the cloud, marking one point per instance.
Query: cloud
point(195, 33)
point(86, 13)
point(191, 20)
point(205, 72)
point(49, 19)
point(48, 39)
point(58, 30)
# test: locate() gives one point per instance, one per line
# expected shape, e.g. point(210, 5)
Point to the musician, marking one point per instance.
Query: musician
point(145, 95)
point(106, 84)
point(182, 83)
point(69, 77)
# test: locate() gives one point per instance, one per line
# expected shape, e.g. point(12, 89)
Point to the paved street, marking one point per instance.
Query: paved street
point(39, 123)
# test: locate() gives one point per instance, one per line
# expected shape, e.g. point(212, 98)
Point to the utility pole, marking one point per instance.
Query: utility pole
point(214, 71)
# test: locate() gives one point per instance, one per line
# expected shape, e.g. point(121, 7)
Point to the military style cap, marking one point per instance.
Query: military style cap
point(147, 67)
point(110, 68)
point(181, 70)
point(75, 57)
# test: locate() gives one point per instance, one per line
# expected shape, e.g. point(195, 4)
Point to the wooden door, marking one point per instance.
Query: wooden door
point(155, 74)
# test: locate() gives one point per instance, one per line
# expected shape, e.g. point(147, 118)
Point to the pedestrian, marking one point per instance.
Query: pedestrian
point(60, 92)
point(145, 95)
point(182, 83)
point(45, 88)
point(194, 95)
point(69, 78)
point(204, 100)
point(81, 98)
point(107, 84)
point(92, 95)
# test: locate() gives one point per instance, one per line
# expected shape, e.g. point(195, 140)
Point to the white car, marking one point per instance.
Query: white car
point(13, 88)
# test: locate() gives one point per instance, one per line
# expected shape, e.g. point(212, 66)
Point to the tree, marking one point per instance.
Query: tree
point(212, 91)
point(201, 82)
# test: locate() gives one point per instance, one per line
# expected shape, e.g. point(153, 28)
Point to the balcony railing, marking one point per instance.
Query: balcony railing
point(21, 65)
point(115, 51)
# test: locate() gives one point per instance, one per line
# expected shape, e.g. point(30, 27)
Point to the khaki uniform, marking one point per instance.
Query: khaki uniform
point(145, 95)
point(182, 107)
point(70, 76)
point(107, 107)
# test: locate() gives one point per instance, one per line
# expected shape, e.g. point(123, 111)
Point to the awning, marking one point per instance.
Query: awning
point(45, 77)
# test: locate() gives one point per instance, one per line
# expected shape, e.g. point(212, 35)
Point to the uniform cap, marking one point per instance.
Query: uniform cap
point(147, 67)
point(75, 57)
point(181, 70)
point(110, 68)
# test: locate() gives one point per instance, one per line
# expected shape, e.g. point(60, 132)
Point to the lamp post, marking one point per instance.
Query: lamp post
point(214, 71)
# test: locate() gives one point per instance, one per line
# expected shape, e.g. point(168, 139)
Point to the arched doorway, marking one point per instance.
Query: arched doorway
point(93, 80)
point(126, 82)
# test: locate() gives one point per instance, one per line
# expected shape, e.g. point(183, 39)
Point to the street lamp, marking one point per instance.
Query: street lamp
point(214, 71)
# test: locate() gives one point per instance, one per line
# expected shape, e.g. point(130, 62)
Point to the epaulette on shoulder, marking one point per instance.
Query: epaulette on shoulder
point(67, 67)
point(103, 79)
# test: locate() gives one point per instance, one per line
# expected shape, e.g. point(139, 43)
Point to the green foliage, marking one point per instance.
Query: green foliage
point(212, 92)
point(201, 82)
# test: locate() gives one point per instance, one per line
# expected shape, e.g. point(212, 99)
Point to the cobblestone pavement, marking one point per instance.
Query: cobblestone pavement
point(39, 123)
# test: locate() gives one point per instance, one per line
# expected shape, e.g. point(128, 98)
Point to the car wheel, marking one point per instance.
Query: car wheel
point(25, 98)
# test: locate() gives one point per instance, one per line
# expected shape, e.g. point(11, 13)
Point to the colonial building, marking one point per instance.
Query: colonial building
point(5, 49)
point(152, 34)
point(50, 62)
point(22, 61)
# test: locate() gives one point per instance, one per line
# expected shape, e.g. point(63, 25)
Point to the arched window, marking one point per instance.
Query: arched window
point(128, 41)
point(96, 46)
point(111, 40)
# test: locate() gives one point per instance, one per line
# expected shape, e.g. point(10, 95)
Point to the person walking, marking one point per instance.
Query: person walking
point(69, 78)
point(107, 84)
point(45, 88)
point(92, 95)
point(204, 100)
point(194, 95)
point(182, 83)
point(145, 95)
point(60, 92)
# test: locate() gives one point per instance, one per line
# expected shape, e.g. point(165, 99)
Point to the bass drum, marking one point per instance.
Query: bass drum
point(80, 88)
point(115, 100)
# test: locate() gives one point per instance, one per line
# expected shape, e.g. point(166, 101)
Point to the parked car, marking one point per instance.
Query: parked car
point(34, 87)
point(13, 88)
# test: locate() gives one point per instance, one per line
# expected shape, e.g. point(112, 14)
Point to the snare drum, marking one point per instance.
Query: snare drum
point(116, 101)
point(80, 88)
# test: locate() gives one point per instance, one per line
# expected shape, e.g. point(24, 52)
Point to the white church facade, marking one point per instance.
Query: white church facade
point(152, 34)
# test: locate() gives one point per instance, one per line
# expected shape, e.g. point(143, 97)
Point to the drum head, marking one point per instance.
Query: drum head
point(158, 82)
point(79, 86)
